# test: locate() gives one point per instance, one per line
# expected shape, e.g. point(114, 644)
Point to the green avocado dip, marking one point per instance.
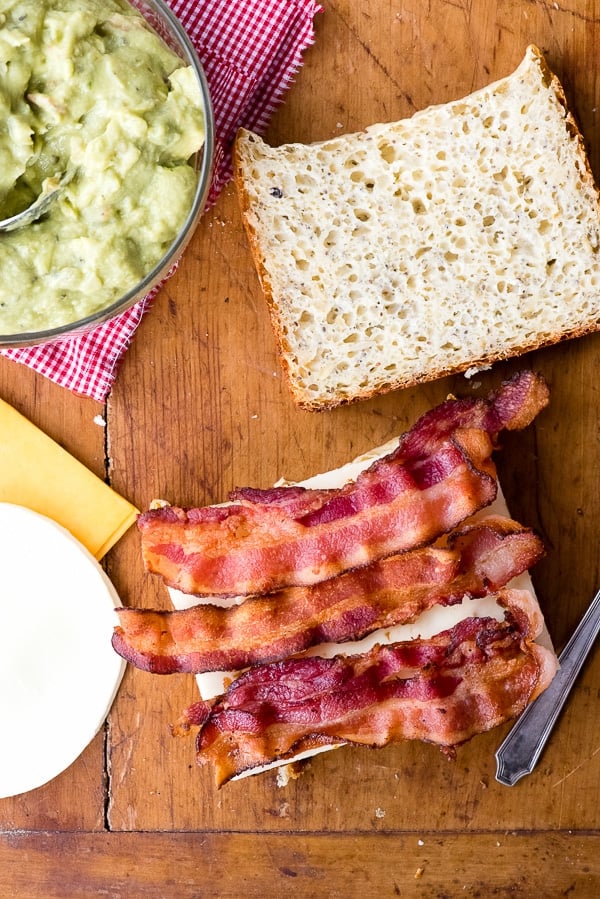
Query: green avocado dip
point(87, 89)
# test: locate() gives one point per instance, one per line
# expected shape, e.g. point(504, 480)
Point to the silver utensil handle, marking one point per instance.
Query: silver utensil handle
point(520, 751)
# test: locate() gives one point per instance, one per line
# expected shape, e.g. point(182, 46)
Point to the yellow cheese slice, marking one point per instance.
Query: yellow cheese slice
point(37, 473)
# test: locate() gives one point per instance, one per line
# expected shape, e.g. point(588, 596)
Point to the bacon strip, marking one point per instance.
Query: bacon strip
point(444, 690)
point(440, 473)
point(476, 561)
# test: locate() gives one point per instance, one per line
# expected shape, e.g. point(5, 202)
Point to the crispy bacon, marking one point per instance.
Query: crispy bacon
point(477, 560)
point(443, 690)
point(440, 473)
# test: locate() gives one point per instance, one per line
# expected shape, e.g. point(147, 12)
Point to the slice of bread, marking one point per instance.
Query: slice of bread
point(466, 234)
point(439, 618)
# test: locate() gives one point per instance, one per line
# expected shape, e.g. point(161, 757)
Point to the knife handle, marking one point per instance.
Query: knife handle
point(520, 751)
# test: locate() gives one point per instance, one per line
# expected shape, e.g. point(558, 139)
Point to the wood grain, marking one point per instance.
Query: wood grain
point(199, 407)
point(230, 865)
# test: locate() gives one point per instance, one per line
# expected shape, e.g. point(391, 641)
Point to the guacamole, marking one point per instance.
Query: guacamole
point(89, 91)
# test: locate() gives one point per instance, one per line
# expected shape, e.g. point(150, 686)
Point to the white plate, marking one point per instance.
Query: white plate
point(58, 671)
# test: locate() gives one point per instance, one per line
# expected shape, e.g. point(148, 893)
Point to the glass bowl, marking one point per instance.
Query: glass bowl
point(165, 23)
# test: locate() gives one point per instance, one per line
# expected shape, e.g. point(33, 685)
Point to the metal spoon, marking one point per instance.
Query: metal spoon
point(32, 213)
point(520, 751)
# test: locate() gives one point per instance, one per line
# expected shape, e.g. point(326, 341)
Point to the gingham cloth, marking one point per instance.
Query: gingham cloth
point(251, 50)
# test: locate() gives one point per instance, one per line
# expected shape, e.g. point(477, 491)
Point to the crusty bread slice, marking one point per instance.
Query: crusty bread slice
point(466, 234)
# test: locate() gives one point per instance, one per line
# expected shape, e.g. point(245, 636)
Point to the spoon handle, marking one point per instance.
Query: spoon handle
point(521, 749)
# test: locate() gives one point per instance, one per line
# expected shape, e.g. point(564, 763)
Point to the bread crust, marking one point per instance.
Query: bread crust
point(263, 275)
point(242, 164)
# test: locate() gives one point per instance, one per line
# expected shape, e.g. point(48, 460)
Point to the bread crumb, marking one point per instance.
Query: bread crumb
point(283, 777)
point(475, 370)
point(419, 873)
point(98, 420)
point(379, 813)
point(287, 773)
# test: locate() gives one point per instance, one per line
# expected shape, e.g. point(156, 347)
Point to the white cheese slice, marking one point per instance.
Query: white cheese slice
point(58, 669)
point(429, 623)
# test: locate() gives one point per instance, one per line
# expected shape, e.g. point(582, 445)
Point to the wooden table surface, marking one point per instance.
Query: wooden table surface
point(200, 406)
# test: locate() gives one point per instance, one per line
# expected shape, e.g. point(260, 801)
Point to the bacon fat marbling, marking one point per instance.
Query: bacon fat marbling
point(440, 473)
point(474, 562)
point(442, 690)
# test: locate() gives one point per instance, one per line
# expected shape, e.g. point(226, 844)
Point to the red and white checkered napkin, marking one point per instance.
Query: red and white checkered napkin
point(250, 50)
